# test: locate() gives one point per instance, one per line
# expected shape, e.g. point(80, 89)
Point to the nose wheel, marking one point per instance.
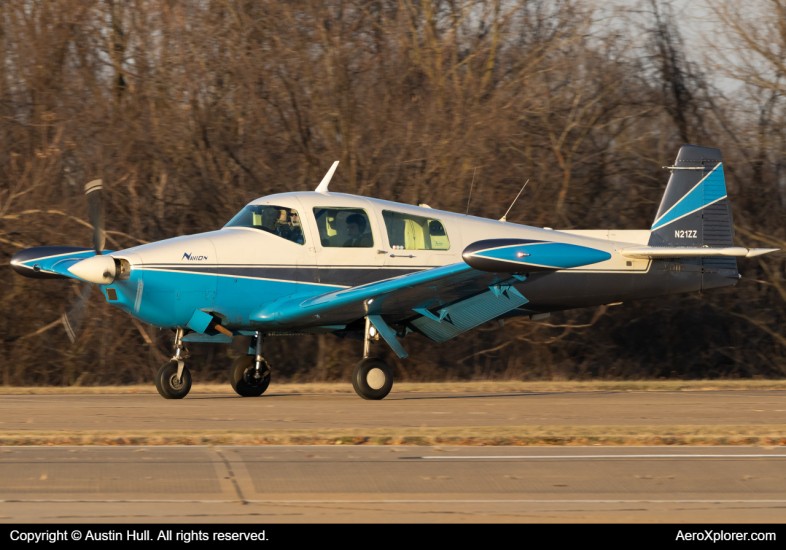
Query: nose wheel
point(173, 380)
point(169, 384)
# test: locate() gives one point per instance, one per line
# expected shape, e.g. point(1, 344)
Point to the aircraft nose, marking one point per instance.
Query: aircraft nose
point(100, 270)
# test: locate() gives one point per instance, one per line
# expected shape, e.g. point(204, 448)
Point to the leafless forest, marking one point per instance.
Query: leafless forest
point(189, 109)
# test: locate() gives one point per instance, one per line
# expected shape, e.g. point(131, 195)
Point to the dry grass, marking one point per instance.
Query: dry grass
point(773, 435)
point(434, 387)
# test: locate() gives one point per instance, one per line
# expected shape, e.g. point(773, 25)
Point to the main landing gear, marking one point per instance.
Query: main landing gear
point(250, 375)
point(173, 380)
point(372, 377)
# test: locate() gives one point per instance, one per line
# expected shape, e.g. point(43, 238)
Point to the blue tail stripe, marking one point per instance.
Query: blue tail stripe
point(707, 191)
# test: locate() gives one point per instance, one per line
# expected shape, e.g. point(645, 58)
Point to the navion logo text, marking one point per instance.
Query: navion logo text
point(192, 257)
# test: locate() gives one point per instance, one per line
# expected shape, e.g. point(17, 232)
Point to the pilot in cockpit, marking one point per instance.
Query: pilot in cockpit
point(290, 228)
point(269, 220)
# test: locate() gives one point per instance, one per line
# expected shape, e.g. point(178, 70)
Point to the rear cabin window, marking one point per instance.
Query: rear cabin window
point(343, 227)
point(277, 220)
point(408, 232)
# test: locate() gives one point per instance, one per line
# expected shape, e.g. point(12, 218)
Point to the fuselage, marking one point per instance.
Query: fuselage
point(235, 271)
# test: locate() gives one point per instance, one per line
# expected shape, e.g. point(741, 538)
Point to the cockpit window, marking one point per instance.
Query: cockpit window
point(278, 220)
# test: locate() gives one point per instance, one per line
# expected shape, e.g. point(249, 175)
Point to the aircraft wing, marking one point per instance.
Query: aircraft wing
point(441, 303)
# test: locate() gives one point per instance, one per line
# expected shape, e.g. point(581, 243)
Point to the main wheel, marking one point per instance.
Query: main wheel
point(241, 377)
point(372, 379)
point(169, 386)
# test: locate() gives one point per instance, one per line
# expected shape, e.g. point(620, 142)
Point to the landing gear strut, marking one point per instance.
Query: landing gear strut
point(372, 377)
point(250, 375)
point(173, 380)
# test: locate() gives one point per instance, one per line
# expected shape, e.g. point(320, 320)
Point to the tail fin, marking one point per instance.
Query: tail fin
point(695, 210)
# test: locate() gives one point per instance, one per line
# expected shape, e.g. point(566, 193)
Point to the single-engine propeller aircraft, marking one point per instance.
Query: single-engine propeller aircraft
point(322, 262)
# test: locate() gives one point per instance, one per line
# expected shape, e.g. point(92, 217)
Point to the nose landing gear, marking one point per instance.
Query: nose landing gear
point(250, 375)
point(173, 380)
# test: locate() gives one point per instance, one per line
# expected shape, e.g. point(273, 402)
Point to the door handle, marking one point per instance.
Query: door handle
point(401, 256)
point(382, 251)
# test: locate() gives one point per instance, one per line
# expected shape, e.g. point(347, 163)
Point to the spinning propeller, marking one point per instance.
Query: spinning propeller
point(99, 269)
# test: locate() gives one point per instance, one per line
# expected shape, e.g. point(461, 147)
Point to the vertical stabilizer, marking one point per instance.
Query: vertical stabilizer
point(695, 211)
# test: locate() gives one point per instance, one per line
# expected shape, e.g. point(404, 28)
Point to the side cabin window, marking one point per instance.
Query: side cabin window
point(278, 220)
point(408, 232)
point(343, 227)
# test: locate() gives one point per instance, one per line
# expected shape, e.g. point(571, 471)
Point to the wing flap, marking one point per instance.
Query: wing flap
point(470, 313)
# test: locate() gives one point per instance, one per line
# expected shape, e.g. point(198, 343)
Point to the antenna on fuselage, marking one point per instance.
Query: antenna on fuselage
point(470, 189)
point(505, 217)
point(323, 185)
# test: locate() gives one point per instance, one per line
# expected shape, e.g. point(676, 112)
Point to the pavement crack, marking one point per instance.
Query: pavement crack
point(232, 477)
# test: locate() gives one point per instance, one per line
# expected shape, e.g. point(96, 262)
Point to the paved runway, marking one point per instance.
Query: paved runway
point(383, 483)
point(391, 484)
point(21, 413)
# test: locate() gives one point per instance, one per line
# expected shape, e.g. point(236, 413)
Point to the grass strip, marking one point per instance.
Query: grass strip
point(433, 387)
point(771, 435)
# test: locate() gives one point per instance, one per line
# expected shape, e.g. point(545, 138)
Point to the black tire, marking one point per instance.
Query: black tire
point(167, 384)
point(241, 380)
point(372, 379)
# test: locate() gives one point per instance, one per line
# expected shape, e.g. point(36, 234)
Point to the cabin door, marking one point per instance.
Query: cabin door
point(348, 245)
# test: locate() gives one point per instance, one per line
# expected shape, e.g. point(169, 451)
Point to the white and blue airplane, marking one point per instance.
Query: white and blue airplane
point(321, 262)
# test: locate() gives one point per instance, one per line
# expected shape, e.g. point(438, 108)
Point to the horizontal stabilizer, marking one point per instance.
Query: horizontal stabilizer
point(655, 252)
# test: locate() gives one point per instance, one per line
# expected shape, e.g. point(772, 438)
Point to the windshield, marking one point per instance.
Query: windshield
point(278, 220)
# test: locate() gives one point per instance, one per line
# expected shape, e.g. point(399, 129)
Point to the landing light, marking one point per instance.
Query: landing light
point(521, 254)
point(372, 332)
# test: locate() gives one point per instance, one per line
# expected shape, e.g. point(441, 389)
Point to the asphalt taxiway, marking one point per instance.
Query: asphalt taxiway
point(23, 413)
point(391, 484)
point(303, 483)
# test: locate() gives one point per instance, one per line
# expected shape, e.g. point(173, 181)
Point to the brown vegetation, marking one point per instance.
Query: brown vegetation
point(188, 110)
point(766, 436)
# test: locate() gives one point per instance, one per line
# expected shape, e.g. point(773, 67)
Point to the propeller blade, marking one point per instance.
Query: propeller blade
point(95, 208)
point(72, 318)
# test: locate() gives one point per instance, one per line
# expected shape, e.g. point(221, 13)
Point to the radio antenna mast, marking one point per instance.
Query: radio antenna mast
point(470, 190)
point(505, 217)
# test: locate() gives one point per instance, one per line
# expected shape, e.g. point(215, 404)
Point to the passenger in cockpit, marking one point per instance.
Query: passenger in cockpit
point(356, 225)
